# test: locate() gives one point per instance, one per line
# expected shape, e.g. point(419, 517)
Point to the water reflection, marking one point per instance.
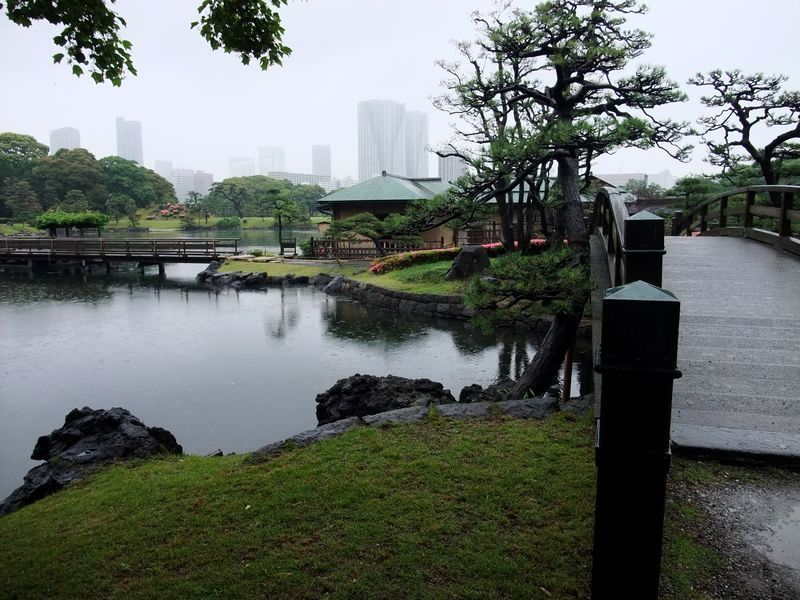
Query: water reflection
point(219, 368)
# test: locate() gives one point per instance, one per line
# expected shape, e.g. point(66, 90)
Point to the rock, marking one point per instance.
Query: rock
point(255, 280)
point(531, 408)
point(87, 439)
point(300, 280)
point(471, 260)
point(362, 395)
point(414, 414)
point(475, 393)
point(224, 279)
point(465, 411)
point(323, 432)
point(578, 406)
point(336, 285)
point(212, 268)
point(321, 280)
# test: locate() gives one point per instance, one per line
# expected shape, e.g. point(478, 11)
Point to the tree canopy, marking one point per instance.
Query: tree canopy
point(91, 42)
point(745, 106)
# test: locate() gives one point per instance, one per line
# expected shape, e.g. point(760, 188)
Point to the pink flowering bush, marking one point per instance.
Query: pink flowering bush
point(407, 259)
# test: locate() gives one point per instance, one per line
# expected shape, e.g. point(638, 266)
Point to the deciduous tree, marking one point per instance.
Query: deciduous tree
point(91, 40)
point(21, 200)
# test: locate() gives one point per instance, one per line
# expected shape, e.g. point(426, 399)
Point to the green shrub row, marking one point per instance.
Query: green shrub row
point(408, 259)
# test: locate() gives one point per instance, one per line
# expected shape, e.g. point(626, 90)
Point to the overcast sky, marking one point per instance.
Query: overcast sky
point(198, 108)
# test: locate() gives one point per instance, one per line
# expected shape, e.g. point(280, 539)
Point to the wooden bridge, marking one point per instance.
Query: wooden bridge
point(37, 252)
point(739, 287)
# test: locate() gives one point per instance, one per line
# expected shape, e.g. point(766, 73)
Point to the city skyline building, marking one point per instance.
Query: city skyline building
point(163, 168)
point(323, 181)
point(271, 158)
point(415, 125)
point(451, 168)
point(184, 180)
point(67, 138)
point(381, 138)
point(321, 160)
point(241, 167)
point(202, 182)
point(129, 140)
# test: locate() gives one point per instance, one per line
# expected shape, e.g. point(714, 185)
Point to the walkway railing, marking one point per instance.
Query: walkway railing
point(100, 248)
point(747, 212)
point(366, 249)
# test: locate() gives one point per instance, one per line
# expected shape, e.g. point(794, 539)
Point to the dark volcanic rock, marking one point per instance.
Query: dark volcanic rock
point(88, 438)
point(362, 395)
point(471, 260)
point(475, 393)
point(210, 270)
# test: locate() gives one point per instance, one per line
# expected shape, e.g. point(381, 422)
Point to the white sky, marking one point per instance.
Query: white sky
point(198, 108)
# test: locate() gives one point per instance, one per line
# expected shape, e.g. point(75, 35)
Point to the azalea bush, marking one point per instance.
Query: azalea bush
point(408, 259)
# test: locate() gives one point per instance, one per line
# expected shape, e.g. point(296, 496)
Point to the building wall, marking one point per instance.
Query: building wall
point(67, 138)
point(271, 158)
point(129, 140)
point(381, 138)
point(320, 161)
point(241, 167)
point(416, 142)
point(451, 168)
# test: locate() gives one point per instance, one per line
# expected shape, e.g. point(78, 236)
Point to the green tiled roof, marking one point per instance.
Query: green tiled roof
point(389, 188)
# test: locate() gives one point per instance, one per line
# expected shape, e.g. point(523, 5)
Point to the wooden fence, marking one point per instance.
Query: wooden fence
point(366, 249)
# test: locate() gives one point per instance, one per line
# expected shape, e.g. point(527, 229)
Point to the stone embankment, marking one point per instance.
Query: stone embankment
point(422, 304)
point(255, 281)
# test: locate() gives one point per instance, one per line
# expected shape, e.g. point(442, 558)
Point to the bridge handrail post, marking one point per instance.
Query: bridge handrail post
point(723, 212)
point(703, 218)
point(677, 222)
point(644, 248)
point(638, 360)
point(784, 224)
point(750, 200)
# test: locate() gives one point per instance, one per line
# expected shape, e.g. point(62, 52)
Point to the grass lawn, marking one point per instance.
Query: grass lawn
point(167, 223)
point(279, 269)
point(10, 229)
point(421, 279)
point(441, 509)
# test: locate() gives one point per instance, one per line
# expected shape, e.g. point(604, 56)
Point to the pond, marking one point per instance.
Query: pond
point(220, 369)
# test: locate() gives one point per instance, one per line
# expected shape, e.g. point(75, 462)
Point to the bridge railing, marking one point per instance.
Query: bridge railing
point(761, 212)
point(117, 248)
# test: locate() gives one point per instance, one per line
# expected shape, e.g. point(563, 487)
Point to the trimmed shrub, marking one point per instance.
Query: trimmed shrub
point(408, 259)
point(229, 223)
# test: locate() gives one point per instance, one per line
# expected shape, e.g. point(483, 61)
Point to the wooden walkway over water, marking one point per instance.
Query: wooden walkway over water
point(33, 252)
point(739, 347)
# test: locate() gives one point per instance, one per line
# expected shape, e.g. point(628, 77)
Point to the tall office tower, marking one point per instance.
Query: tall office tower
point(271, 158)
point(164, 168)
point(451, 168)
point(381, 138)
point(416, 134)
point(241, 167)
point(321, 160)
point(183, 182)
point(129, 140)
point(65, 137)
point(202, 182)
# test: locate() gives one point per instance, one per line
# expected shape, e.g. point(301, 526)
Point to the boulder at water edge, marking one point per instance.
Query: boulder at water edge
point(87, 439)
point(362, 395)
point(471, 260)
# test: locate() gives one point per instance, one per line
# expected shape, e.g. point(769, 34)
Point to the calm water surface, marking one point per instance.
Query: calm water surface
point(219, 369)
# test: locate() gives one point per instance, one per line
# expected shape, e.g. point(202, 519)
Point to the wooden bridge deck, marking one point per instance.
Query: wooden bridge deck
point(739, 347)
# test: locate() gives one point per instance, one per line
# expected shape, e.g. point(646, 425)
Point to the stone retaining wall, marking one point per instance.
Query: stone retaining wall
point(421, 304)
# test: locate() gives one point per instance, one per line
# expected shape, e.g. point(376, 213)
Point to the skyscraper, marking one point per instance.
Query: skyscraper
point(271, 158)
point(65, 137)
point(241, 167)
point(381, 138)
point(416, 134)
point(451, 168)
point(129, 140)
point(321, 160)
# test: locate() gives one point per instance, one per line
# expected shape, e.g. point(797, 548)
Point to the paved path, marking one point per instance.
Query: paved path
point(739, 346)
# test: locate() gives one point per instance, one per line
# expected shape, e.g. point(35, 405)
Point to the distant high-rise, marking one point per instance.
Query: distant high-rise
point(68, 138)
point(241, 167)
point(164, 168)
point(271, 158)
point(381, 138)
point(202, 182)
point(415, 125)
point(451, 168)
point(321, 160)
point(129, 140)
point(183, 182)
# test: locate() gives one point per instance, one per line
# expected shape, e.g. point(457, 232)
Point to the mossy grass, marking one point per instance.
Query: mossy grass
point(425, 278)
point(281, 269)
point(490, 508)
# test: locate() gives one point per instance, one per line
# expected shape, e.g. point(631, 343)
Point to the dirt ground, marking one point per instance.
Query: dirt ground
point(755, 527)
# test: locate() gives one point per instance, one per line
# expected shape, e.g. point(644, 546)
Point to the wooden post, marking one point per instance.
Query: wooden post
point(677, 222)
point(750, 200)
point(566, 388)
point(703, 219)
point(638, 358)
point(784, 224)
point(644, 248)
point(723, 214)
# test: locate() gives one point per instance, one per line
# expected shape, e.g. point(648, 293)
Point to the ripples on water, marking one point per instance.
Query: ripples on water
point(219, 369)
